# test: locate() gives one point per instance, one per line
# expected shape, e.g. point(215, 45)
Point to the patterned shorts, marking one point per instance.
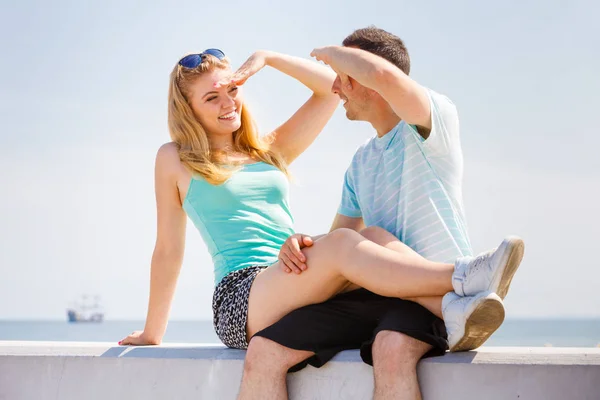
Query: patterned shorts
point(230, 306)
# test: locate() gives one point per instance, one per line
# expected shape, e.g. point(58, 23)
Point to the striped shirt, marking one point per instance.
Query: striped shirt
point(412, 187)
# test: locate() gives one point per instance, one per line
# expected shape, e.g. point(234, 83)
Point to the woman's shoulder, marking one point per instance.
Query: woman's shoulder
point(169, 149)
point(167, 157)
point(168, 152)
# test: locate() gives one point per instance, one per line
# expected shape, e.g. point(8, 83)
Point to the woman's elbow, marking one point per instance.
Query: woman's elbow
point(168, 254)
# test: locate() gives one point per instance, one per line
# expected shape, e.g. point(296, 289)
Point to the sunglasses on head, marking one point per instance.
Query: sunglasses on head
point(193, 60)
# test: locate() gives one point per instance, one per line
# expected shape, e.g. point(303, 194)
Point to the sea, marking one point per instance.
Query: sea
point(514, 332)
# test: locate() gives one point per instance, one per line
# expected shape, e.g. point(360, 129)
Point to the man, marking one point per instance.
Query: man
point(406, 180)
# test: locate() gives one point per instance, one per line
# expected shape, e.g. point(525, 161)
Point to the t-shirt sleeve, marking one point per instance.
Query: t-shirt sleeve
point(444, 125)
point(349, 204)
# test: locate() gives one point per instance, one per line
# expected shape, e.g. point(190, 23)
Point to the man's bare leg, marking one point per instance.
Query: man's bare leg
point(265, 369)
point(395, 359)
point(395, 355)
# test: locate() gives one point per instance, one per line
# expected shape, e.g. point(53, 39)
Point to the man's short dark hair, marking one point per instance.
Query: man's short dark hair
point(381, 43)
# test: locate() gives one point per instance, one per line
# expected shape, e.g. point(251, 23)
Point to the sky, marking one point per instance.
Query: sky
point(83, 93)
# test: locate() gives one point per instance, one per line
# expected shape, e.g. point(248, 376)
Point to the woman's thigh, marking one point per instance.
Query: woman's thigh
point(388, 240)
point(276, 293)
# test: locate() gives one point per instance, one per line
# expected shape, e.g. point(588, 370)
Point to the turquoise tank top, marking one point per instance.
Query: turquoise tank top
point(244, 221)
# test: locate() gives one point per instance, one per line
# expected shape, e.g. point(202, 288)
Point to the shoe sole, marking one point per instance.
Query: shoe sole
point(515, 249)
point(481, 324)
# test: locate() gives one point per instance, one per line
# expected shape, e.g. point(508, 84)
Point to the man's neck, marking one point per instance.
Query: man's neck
point(384, 122)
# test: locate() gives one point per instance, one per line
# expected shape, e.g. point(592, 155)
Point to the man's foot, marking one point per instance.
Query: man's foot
point(491, 271)
point(471, 320)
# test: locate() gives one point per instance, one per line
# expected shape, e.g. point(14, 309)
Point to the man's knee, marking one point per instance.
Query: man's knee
point(264, 354)
point(395, 351)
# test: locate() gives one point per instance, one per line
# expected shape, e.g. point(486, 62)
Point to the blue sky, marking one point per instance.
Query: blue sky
point(83, 91)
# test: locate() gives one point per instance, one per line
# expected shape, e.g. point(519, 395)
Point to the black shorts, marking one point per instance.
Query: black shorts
point(351, 321)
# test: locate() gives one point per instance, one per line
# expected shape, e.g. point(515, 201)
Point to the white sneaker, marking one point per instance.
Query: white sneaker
point(491, 271)
point(471, 320)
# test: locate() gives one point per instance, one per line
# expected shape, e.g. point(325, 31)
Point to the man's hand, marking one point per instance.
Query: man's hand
point(291, 257)
point(325, 54)
point(408, 99)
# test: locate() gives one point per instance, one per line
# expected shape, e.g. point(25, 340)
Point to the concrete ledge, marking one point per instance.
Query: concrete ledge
point(65, 371)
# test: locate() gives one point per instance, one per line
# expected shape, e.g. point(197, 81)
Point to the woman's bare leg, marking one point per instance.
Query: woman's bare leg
point(337, 260)
point(389, 241)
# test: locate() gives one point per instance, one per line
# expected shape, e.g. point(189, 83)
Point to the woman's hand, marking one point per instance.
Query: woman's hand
point(138, 338)
point(255, 63)
point(290, 254)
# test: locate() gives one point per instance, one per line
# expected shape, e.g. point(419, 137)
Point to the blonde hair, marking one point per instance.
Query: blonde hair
point(191, 138)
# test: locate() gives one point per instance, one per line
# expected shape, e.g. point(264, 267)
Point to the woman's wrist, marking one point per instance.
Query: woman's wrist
point(269, 56)
point(152, 337)
point(153, 333)
point(317, 78)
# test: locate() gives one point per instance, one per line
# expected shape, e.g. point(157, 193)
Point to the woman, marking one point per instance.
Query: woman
point(233, 186)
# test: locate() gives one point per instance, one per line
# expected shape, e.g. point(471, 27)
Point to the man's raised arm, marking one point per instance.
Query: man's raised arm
point(407, 98)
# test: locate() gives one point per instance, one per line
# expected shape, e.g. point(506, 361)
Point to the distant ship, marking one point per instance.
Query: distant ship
point(86, 309)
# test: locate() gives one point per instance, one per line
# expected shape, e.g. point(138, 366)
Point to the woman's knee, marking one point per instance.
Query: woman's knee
point(264, 354)
point(342, 238)
point(342, 234)
point(331, 248)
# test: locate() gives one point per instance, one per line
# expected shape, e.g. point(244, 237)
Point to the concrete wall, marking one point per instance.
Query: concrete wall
point(65, 371)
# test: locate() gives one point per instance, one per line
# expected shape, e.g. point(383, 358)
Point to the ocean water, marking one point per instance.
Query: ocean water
point(514, 332)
